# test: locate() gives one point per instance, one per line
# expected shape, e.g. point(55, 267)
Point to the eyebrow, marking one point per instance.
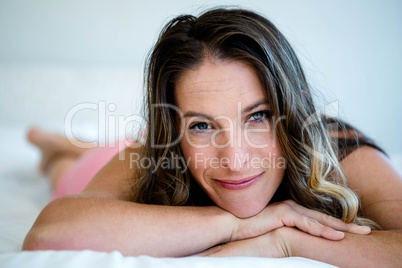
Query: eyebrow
point(245, 110)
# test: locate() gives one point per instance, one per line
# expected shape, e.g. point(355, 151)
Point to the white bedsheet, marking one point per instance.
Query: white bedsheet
point(23, 193)
point(87, 258)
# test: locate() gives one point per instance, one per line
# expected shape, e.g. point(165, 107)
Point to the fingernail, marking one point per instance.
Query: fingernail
point(340, 233)
point(363, 229)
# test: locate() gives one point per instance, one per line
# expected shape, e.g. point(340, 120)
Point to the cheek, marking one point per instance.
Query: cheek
point(260, 136)
point(270, 156)
point(263, 141)
point(193, 157)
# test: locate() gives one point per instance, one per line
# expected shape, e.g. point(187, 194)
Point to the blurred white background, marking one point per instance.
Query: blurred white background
point(57, 54)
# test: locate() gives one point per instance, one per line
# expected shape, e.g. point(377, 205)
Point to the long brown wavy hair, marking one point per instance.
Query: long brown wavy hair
point(313, 177)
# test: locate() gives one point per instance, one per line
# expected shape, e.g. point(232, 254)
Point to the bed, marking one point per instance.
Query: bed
point(24, 192)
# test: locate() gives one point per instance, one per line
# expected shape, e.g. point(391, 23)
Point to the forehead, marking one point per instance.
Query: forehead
point(218, 85)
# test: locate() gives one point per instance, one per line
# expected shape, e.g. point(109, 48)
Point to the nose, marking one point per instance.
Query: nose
point(233, 150)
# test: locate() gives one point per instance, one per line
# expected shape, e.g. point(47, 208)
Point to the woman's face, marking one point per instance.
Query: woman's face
point(228, 139)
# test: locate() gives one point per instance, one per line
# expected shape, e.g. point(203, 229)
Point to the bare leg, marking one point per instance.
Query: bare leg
point(58, 154)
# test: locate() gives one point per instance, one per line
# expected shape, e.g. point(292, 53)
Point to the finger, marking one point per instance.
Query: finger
point(330, 221)
point(290, 217)
point(313, 227)
point(342, 226)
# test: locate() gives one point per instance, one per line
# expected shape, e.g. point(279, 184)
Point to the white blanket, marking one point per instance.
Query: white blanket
point(23, 193)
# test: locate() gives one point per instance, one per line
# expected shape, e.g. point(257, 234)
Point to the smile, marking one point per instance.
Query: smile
point(239, 184)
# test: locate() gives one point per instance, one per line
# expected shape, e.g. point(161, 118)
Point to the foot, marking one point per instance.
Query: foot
point(53, 146)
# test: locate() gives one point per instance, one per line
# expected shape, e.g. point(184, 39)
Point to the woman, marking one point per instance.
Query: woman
point(227, 96)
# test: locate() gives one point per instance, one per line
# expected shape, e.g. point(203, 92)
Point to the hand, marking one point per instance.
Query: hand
point(271, 244)
point(289, 213)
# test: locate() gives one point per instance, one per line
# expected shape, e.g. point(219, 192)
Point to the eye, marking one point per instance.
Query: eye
point(200, 126)
point(260, 116)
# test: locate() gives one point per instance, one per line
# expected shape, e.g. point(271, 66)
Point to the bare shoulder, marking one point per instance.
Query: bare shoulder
point(115, 179)
point(378, 184)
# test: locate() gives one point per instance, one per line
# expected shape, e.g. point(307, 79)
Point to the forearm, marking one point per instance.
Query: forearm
point(102, 224)
point(378, 249)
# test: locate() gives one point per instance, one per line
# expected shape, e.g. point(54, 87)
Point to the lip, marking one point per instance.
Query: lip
point(238, 184)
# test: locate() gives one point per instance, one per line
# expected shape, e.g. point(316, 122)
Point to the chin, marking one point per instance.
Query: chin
point(245, 212)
